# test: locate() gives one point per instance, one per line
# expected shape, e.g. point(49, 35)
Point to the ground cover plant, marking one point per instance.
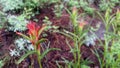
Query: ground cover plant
point(59, 34)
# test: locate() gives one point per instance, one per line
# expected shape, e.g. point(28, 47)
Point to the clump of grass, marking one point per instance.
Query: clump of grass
point(110, 45)
point(77, 36)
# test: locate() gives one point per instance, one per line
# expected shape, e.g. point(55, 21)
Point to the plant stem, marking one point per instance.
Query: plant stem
point(39, 60)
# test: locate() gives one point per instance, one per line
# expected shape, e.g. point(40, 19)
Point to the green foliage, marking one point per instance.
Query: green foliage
point(3, 19)
point(77, 36)
point(47, 21)
point(105, 4)
point(86, 6)
point(25, 55)
point(38, 3)
point(81, 4)
point(28, 13)
point(111, 56)
point(58, 10)
point(33, 36)
point(31, 3)
point(115, 50)
point(72, 3)
point(16, 23)
point(1, 63)
point(49, 24)
point(47, 2)
point(11, 4)
point(117, 22)
point(20, 4)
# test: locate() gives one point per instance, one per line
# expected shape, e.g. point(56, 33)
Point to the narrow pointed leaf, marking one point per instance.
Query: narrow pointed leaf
point(101, 17)
point(41, 40)
point(24, 56)
point(41, 30)
point(46, 51)
point(66, 34)
point(24, 36)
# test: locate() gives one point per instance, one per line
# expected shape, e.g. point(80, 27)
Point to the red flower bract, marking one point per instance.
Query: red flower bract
point(33, 29)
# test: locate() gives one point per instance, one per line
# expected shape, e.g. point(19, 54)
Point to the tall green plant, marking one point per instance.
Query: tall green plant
point(77, 36)
point(117, 22)
point(110, 57)
point(33, 36)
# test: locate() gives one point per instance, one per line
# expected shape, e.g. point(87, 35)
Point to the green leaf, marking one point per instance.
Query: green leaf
point(101, 16)
point(46, 51)
point(67, 35)
point(24, 36)
point(84, 66)
point(67, 10)
point(41, 30)
point(40, 41)
point(107, 15)
point(24, 56)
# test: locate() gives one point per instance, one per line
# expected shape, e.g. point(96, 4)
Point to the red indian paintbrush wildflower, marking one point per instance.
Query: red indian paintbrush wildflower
point(33, 29)
point(34, 32)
